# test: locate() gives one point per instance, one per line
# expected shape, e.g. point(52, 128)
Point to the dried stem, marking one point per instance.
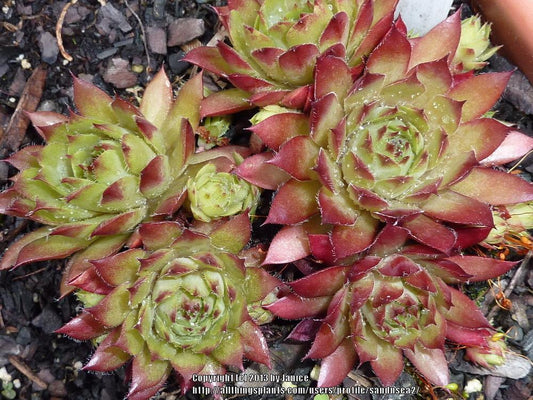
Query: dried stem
point(59, 26)
point(23, 368)
point(518, 277)
point(148, 68)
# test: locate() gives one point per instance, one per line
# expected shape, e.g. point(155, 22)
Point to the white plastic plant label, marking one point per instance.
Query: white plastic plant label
point(422, 15)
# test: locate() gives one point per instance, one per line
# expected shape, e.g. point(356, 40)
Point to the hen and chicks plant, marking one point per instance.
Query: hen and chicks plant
point(380, 149)
point(181, 302)
point(275, 45)
point(403, 143)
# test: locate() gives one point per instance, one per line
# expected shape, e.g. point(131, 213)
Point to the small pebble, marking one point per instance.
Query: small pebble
point(157, 39)
point(48, 47)
point(107, 53)
point(110, 18)
point(4, 375)
point(119, 74)
point(24, 336)
point(137, 68)
point(176, 65)
point(25, 64)
point(159, 8)
point(473, 386)
point(183, 30)
point(47, 320)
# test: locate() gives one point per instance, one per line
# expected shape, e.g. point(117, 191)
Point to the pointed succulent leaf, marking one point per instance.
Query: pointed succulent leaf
point(80, 262)
point(255, 346)
point(11, 255)
point(289, 244)
point(514, 146)
point(237, 228)
point(148, 376)
point(480, 184)
point(482, 268)
point(454, 207)
point(279, 128)
point(112, 310)
point(430, 233)
point(441, 41)
point(491, 85)
point(259, 171)
point(156, 235)
point(92, 102)
point(292, 306)
point(157, 99)
point(120, 223)
point(332, 75)
point(90, 281)
point(464, 312)
point(482, 135)
point(335, 209)
point(391, 57)
point(225, 102)
point(297, 157)
point(186, 105)
point(50, 248)
point(119, 268)
point(349, 240)
point(293, 192)
point(107, 357)
point(335, 367)
point(322, 283)
point(431, 362)
point(83, 327)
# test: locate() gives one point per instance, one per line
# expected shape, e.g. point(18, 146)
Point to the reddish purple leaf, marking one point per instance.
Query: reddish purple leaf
point(322, 283)
point(294, 202)
point(289, 244)
point(277, 129)
point(482, 268)
point(495, 187)
point(82, 327)
point(335, 367)
point(258, 171)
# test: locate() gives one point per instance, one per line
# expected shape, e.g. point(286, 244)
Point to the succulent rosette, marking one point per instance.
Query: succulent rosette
point(180, 303)
point(276, 44)
point(474, 46)
point(102, 171)
point(401, 144)
point(393, 302)
point(214, 195)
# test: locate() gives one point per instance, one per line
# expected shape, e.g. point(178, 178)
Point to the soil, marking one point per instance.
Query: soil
point(106, 42)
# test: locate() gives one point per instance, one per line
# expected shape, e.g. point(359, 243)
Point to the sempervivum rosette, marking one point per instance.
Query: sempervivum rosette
point(213, 195)
point(180, 303)
point(102, 172)
point(276, 44)
point(474, 47)
point(391, 303)
point(402, 144)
